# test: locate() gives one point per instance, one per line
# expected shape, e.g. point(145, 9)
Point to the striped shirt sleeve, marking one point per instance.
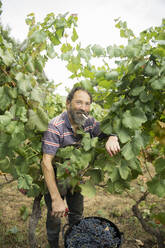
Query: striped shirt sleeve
point(51, 140)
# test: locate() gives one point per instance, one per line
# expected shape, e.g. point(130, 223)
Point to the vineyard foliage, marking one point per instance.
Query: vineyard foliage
point(128, 88)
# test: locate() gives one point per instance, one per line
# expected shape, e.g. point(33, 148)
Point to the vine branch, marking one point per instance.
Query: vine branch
point(159, 234)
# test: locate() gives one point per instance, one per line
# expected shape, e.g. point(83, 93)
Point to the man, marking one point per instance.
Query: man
point(62, 132)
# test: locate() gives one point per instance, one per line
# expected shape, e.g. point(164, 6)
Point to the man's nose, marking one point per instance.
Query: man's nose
point(83, 107)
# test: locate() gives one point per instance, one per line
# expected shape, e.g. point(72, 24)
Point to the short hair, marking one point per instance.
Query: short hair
point(73, 91)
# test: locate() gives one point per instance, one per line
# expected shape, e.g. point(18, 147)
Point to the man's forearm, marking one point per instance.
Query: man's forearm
point(49, 176)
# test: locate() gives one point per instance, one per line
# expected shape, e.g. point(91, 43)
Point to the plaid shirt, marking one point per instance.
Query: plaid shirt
point(60, 133)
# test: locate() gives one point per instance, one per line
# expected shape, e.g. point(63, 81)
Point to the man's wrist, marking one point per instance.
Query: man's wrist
point(113, 136)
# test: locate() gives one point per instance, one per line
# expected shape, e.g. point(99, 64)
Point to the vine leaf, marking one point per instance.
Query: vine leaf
point(134, 118)
point(88, 189)
point(127, 151)
point(24, 182)
point(74, 35)
point(36, 122)
point(124, 169)
point(157, 186)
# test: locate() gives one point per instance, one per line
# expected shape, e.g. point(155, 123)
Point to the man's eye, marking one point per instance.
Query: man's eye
point(78, 102)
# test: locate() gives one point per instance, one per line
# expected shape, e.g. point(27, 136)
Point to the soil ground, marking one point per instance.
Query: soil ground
point(116, 208)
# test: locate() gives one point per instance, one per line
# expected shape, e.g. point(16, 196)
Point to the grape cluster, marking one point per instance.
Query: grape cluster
point(92, 233)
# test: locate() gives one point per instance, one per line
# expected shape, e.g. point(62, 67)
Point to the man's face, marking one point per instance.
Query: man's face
point(79, 105)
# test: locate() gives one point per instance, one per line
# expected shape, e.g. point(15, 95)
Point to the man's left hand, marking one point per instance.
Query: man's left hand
point(112, 145)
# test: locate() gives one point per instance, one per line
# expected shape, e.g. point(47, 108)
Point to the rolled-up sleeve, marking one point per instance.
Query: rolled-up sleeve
point(96, 128)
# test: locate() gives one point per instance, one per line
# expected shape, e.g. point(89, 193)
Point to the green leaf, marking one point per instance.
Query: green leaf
point(85, 159)
point(105, 84)
point(21, 113)
point(30, 66)
point(51, 52)
point(39, 65)
point(114, 51)
point(95, 175)
point(36, 122)
point(160, 165)
point(60, 32)
point(157, 186)
point(127, 151)
point(119, 187)
point(124, 135)
point(151, 70)
point(18, 136)
point(158, 84)
point(38, 37)
point(37, 95)
point(138, 142)
point(5, 100)
point(5, 119)
point(131, 51)
point(10, 128)
point(98, 50)
point(124, 170)
point(65, 152)
point(88, 189)
point(137, 90)
point(7, 57)
point(4, 165)
point(74, 36)
point(145, 96)
point(100, 74)
point(12, 92)
point(88, 74)
point(114, 174)
point(14, 230)
point(4, 140)
point(24, 87)
point(133, 118)
point(33, 191)
point(106, 127)
point(66, 48)
point(113, 75)
point(86, 84)
point(135, 165)
point(74, 65)
point(25, 182)
point(94, 142)
point(54, 39)
point(24, 212)
point(43, 115)
point(86, 142)
point(116, 124)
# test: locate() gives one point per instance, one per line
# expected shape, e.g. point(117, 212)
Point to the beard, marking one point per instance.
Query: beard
point(77, 116)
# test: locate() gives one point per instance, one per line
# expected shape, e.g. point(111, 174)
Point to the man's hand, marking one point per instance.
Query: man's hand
point(58, 207)
point(112, 145)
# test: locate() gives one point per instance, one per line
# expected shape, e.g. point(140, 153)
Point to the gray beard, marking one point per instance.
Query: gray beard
point(77, 118)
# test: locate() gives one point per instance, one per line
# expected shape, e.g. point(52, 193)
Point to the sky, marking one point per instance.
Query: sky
point(95, 22)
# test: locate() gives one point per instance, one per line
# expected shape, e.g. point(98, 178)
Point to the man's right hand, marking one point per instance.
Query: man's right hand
point(58, 207)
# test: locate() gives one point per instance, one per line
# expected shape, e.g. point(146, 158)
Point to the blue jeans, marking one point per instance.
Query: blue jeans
point(53, 224)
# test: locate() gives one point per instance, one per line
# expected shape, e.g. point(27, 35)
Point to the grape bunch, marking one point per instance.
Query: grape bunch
point(92, 233)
